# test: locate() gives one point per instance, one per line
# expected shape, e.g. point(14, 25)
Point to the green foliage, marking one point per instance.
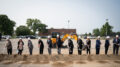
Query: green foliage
point(42, 28)
point(89, 34)
point(6, 25)
point(106, 29)
point(96, 32)
point(86, 34)
point(36, 25)
point(22, 30)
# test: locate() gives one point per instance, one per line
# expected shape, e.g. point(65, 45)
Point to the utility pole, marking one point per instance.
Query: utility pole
point(106, 27)
point(68, 26)
point(68, 23)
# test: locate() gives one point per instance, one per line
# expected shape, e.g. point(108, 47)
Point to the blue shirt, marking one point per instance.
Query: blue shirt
point(98, 43)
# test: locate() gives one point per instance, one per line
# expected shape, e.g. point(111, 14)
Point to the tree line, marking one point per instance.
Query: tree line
point(105, 30)
point(33, 26)
point(6, 25)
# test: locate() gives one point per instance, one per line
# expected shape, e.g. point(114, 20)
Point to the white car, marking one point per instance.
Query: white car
point(6, 36)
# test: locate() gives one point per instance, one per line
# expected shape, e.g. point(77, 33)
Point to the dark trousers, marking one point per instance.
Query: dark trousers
point(97, 50)
point(115, 49)
point(106, 49)
point(70, 50)
point(79, 50)
point(88, 50)
point(30, 50)
point(59, 50)
point(49, 51)
point(20, 52)
point(41, 50)
point(9, 51)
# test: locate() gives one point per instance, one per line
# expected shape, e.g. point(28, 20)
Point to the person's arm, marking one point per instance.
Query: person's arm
point(39, 44)
point(72, 44)
point(6, 44)
point(77, 44)
point(109, 43)
point(68, 43)
point(47, 42)
point(82, 42)
point(57, 42)
point(18, 45)
point(42, 44)
point(28, 44)
point(11, 44)
point(119, 42)
point(90, 42)
point(105, 42)
point(18, 42)
point(114, 41)
point(22, 42)
point(100, 42)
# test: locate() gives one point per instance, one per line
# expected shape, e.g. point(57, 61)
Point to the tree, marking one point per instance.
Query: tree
point(36, 25)
point(86, 34)
point(22, 30)
point(106, 29)
point(96, 32)
point(89, 34)
point(42, 28)
point(6, 25)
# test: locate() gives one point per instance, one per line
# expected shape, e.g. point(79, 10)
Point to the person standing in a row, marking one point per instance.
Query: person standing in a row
point(30, 46)
point(98, 43)
point(116, 43)
point(80, 45)
point(9, 46)
point(71, 46)
point(59, 44)
point(88, 42)
point(107, 44)
point(20, 46)
point(40, 45)
point(49, 42)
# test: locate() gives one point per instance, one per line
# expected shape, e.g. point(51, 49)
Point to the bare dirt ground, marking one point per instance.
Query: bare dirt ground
point(54, 60)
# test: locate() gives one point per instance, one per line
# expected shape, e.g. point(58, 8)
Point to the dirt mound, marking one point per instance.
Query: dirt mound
point(46, 59)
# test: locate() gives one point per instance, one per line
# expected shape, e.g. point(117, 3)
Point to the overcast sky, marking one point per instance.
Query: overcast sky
point(84, 15)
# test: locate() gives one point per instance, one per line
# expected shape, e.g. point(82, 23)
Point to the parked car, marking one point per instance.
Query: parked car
point(43, 36)
point(21, 37)
point(85, 37)
point(6, 36)
point(92, 37)
point(31, 36)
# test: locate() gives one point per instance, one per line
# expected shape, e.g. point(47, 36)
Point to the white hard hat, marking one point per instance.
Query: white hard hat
point(69, 37)
point(28, 38)
point(79, 36)
point(39, 37)
point(108, 37)
point(88, 37)
point(49, 36)
point(117, 35)
point(57, 35)
point(20, 38)
point(7, 38)
point(98, 37)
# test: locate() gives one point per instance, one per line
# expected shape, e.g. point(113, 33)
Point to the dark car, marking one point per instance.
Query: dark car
point(43, 36)
point(85, 37)
point(31, 36)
